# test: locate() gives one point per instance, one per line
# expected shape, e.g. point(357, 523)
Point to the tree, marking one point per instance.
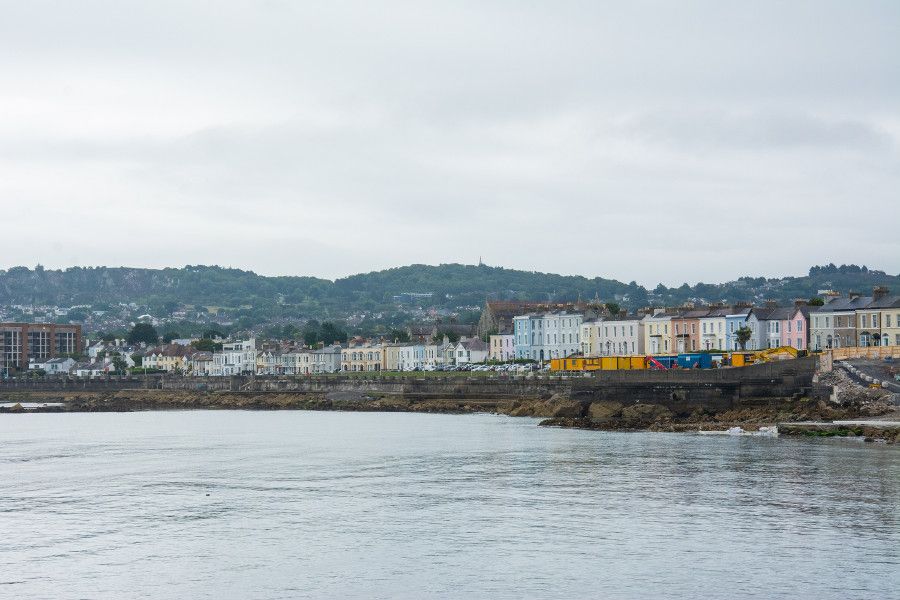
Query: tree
point(743, 336)
point(452, 337)
point(170, 335)
point(398, 335)
point(143, 332)
point(311, 333)
point(816, 301)
point(613, 308)
point(119, 364)
point(206, 345)
point(211, 334)
point(331, 333)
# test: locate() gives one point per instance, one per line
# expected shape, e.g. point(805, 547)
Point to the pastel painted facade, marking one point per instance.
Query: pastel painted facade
point(268, 363)
point(834, 324)
point(734, 320)
point(658, 333)
point(366, 357)
point(591, 345)
point(391, 357)
point(436, 354)
point(411, 357)
point(543, 336)
point(795, 329)
point(327, 359)
point(621, 337)
point(170, 358)
point(713, 328)
point(502, 347)
point(686, 326)
point(766, 324)
point(889, 317)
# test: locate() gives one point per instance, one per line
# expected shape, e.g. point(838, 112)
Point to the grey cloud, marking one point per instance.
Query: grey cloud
point(527, 133)
point(759, 131)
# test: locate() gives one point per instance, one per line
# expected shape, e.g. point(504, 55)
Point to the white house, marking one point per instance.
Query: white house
point(470, 350)
point(54, 366)
point(436, 355)
point(543, 336)
point(236, 358)
point(411, 357)
point(327, 359)
point(620, 336)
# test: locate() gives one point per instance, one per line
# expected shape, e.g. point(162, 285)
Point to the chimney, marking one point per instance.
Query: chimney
point(771, 304)
point(879, 292)
point(853, 295)
point(798, 303)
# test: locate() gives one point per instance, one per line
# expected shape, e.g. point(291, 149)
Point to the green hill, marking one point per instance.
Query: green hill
point(448, 286)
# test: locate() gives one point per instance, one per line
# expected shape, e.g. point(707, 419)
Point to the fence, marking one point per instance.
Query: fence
point(872, 352)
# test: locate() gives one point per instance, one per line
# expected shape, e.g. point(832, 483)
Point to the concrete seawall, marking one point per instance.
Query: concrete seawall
point(679, 391)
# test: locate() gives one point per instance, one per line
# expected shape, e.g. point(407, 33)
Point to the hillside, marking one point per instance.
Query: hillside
point(449, 287)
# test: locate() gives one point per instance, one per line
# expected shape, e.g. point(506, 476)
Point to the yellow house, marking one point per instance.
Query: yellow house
point(170, 358)
point(590, 339)
point(364, 357)
point(390, 360)
point(879, 323)
point(658, 333)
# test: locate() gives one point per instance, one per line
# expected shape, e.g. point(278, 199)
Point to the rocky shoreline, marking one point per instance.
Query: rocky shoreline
point(557, 411)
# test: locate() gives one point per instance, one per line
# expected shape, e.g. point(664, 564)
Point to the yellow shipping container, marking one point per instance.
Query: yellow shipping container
point(638, 362)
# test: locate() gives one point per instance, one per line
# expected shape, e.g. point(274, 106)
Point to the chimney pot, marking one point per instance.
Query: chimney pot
point(879, 292)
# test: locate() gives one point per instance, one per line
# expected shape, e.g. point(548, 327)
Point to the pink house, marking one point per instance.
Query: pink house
point(795, 330)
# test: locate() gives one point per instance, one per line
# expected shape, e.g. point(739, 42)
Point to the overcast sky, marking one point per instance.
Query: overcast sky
point(648, 141)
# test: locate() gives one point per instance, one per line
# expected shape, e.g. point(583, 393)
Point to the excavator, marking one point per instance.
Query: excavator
point(779, 353)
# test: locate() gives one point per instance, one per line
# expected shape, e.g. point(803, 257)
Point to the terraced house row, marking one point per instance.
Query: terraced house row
point(857, 321)
point(852, 321)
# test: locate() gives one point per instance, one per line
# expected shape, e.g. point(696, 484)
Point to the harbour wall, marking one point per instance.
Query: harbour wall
point(680, 391)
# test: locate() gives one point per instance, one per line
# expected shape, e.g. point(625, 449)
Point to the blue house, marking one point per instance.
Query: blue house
point(734, 320)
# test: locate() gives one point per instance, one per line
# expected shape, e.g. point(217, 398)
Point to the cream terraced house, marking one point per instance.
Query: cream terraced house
point(590, 338)
point(658, 333)
point(877, 323)
point(713, 329)
point(502, 347)
point(621, 336)
point(365, 357)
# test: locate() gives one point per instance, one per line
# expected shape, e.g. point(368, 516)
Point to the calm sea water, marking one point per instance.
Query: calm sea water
point(369, 505)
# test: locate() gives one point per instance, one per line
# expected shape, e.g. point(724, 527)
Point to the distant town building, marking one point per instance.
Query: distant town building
point(24, 343)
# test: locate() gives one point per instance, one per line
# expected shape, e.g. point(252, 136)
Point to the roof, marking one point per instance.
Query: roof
point(846, 304)
point(886, 302)
point(474, 344)
point(57, 361)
